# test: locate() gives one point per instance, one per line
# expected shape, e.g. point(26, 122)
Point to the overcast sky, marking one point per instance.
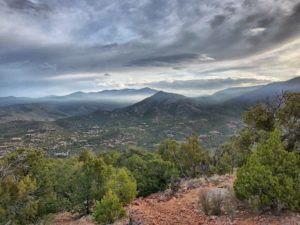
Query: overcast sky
point(186, 46)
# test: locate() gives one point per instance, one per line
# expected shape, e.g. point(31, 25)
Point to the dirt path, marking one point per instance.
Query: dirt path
point(183, 209)
point(179, 210)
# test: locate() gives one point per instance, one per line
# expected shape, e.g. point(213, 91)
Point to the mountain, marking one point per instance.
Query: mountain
point(144, 123)
point(11, 100)
point(159, 104)
point(51, 111)
point(267, 92)
point(78, 103)
point(29, 112)
point(226, 94)
point(163, 115)
point(122, 95)
point(169, 115)
point(128, 96)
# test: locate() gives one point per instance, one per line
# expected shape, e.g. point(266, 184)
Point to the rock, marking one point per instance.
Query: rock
point(212, 218)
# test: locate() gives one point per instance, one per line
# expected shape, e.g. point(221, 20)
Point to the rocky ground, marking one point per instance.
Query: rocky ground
point(183, 208)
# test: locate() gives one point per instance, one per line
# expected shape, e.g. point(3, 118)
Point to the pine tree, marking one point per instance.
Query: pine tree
point(109, 209)
point(271, 177)
point(124, 185)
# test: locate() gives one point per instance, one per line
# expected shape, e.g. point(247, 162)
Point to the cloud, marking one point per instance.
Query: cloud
point(217, 20)
point(26, 5)
point(169, 60)
point(256, 31)
point(202, 84)
point(41, 40)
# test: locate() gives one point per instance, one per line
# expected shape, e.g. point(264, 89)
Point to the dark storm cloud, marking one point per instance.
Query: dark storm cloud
point(217, 20)
point(203, 84)
point(26, 5)
point(165, 60)
point(41, 39)
point(290, 25)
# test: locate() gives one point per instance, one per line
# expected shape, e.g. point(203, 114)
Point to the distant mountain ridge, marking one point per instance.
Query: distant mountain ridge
point(163, 104)
point(51, 108)
point(105, 95)
point(268, 91)
point(227, 94)
point(141, 103)
point(154, 118)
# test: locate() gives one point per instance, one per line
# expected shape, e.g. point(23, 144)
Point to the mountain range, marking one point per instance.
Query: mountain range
point(84, 120)
point(51, 108)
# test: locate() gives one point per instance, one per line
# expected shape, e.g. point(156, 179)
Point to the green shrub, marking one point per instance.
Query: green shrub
point(151, 173)
point(109, 209)
point(190, 158)
point(224, 166)
point(124, 185)
point(270, 178)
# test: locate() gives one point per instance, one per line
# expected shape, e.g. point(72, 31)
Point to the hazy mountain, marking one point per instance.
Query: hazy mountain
point(128, 96)
point(267, 92)
point(122, 95)
point(226, 94)
point(144, 123)
point(79, 103)
point(227, 105)
point(161, 104)
point(11, 100)
point(138, 103)
point(30, 112)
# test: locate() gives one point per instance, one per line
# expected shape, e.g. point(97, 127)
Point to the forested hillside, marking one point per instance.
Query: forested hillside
point(265, 153)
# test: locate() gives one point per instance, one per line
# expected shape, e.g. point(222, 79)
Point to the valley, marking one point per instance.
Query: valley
point(212, 119)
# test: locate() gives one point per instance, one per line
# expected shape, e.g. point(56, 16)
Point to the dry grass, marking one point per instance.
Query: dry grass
point(204, 202)
point(218, 201)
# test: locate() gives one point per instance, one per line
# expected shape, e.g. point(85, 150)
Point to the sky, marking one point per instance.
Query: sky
point(192, 47)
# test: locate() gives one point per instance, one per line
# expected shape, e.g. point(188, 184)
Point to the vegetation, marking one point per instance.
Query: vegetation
point(271, 177)
point(32, 185)
point(270, 171)
point(265, 151)
point(108, 209)
point(190, 158)
point(211, 202)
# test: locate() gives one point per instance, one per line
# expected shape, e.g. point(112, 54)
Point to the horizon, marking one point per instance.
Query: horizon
point(155, 89)
point(120, 89)
point(190, 48)
point(212, 92)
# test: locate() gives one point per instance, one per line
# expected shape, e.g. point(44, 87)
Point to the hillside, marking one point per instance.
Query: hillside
point(183, 209)
point(161, 105)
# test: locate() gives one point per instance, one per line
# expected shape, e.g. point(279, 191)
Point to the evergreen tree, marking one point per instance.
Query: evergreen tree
point(195, 159)
point(123, 185)
point(224, 165)
point(109, 209)
point(26, 188)
point(271, 177)
point(90, 177)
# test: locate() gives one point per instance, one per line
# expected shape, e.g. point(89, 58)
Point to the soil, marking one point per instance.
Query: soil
point(182, 208)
